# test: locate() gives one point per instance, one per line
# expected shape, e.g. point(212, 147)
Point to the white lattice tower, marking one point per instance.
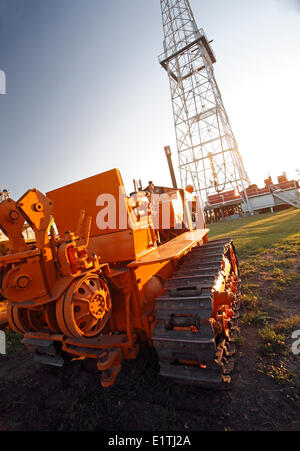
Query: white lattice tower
point(208, 154)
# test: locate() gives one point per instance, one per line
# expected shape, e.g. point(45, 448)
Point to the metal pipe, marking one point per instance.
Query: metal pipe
point(170, 163)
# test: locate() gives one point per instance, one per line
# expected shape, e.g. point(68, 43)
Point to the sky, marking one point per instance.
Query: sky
point(85, 92)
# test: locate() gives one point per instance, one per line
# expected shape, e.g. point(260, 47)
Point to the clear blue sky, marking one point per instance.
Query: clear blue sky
point(85, 92)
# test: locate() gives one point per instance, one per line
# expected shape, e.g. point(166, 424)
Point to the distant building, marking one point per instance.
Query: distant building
point(272, 197)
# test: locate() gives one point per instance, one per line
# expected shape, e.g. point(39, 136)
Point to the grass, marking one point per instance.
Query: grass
point(255, 318)
point(268, 247)
point(278, 232)
point(272, 342)
point(288, 325)
point(249, 299)
point(278, 372)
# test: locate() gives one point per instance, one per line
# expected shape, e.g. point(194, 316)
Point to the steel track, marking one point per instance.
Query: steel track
point(188, 349)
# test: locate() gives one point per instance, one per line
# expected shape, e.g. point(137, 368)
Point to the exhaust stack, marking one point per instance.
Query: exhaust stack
point(171, 168)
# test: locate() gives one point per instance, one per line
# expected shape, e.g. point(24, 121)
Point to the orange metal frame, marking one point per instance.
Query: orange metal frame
point(90, 290)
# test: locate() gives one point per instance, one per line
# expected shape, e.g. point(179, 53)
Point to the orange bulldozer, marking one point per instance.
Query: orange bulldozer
point(108, 273)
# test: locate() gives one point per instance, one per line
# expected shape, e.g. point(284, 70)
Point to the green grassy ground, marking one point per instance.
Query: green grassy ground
point(269, 249)
point(279, 232)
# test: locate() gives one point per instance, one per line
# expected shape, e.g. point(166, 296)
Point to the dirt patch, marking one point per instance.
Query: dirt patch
point(265, 392)
point(41, 398)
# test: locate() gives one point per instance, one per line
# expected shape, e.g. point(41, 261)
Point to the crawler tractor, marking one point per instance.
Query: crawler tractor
point(108, 273)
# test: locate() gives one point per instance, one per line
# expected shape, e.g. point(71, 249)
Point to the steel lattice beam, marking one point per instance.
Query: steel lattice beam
point(208, 154)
